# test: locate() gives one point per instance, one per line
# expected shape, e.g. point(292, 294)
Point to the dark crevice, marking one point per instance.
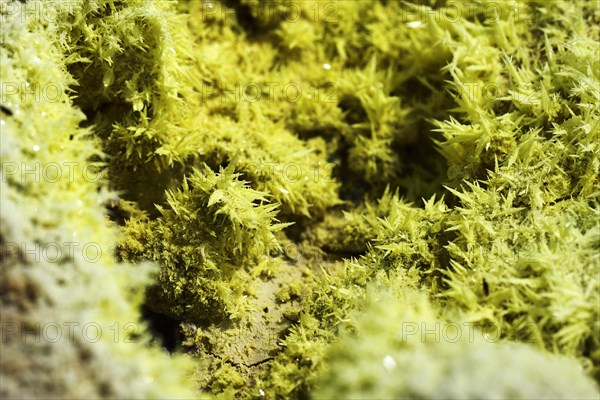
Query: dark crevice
point(244, 16)
point(6, 110)
point(164, 329)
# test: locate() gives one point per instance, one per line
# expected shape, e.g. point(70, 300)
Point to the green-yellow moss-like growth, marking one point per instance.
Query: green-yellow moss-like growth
point(339, 118)
point(403, 349)
point(70, 312)
point(214, 229)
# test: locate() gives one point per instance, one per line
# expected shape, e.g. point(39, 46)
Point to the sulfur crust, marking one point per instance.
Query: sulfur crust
point(428, 161)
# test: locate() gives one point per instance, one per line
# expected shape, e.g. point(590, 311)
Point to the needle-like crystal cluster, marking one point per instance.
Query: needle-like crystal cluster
point(300, 199)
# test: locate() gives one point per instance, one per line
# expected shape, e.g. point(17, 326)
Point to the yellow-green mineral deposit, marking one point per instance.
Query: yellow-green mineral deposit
point(300, 199)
